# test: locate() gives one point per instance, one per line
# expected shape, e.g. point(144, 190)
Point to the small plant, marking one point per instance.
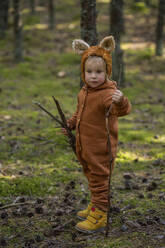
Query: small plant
point(140, 7)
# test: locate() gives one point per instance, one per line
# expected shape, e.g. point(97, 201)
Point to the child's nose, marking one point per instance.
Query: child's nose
point(94, 74)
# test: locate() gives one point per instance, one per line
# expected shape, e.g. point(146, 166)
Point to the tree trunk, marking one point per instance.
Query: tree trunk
point(88, 23)
point(6, 12)
point(4, 6)
point(17, 32)
point(159, 28)
point(148, 3)
point(51, 10)
point(42, 3)
point(32, 6)
point(117, 29)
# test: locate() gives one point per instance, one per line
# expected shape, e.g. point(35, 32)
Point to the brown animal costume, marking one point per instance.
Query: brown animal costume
point(89, 122)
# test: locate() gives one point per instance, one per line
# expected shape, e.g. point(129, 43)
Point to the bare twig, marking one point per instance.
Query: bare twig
point(111, 159)
point(63, 122)
point(16, 204)
point(50, 114)
point(71, 137)
point(110, 170)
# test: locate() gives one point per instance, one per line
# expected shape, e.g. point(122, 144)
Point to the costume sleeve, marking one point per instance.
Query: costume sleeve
point(119, 109)
point(123, 108)
point(72, 121)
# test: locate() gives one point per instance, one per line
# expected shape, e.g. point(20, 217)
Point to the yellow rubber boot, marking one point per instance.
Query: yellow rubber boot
point(95, 222)
point(82, 215)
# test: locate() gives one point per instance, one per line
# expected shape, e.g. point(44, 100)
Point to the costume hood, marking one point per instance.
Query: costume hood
point(103, 50)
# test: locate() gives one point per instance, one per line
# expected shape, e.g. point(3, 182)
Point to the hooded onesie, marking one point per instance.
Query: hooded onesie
point(89, 122)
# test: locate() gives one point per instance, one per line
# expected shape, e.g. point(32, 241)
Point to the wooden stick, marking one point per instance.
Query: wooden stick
point(110, 169)
point(50, 114)
point(72, 139)
point(111, 159)
point(16, 204)
point(63, 122)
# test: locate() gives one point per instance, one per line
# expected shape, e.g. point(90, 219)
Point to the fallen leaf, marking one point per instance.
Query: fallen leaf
point(7, 117)
point(61, 74)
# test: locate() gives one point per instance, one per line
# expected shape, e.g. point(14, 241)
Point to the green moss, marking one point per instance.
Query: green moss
point(140, 7)
point(117, 243)
point(30, 20)
point(24, 186)
point(140, 55)
point(68, 59)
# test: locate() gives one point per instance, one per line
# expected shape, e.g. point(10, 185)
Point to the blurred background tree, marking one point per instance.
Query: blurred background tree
point(51, 11)
point(159, 28)
point(4, 7)
point(17, 23)
point(88, 23)
point(117, 30)
point(32, 6)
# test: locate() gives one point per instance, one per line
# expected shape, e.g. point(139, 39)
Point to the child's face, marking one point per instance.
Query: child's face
point(95, 71)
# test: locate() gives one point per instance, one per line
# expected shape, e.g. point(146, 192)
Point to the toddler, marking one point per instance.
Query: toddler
point(94, 100)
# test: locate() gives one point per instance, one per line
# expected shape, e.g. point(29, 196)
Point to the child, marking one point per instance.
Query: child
point(94, 100)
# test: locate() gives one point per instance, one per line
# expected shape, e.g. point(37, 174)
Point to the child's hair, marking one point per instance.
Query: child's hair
point(97, 57)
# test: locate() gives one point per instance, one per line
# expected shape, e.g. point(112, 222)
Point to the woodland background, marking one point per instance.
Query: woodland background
point(41, 182)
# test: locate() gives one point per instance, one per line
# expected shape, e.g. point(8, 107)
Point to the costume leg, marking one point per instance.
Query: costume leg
point(97, 174)
point(86, 171)
point(98, 185)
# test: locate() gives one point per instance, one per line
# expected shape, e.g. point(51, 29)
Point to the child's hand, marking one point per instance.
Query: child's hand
point(63, 130)
point(117, 97)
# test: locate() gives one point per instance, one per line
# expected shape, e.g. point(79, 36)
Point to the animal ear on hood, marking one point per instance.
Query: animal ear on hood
point(79, 46)
point(108, 43)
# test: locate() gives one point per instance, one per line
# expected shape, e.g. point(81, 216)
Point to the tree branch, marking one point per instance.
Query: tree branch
point(63, 122)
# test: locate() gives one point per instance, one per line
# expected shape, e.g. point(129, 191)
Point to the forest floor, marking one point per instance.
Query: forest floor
point(41, 182)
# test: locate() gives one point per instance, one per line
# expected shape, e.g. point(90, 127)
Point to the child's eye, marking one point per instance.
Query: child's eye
point(99, 71)
point(89, 71)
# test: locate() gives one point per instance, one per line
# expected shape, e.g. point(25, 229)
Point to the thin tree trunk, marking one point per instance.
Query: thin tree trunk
point(32, 6)
point(7, 3)
point(4, 6)
point(159, 28)
point(117, 29)
point(51, 10)
point(148, 3)
point(42, 2)
point(17, 32)
point(88, 23)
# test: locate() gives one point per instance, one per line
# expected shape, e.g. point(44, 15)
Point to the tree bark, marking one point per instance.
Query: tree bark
point(159, 28)
point(88, 23)
point(42, 2)
point(4, 6)
point(6, 12)
point(32, 6)
point(17, 32)
point(148, 3)
point(51, 10)
point(117, 30)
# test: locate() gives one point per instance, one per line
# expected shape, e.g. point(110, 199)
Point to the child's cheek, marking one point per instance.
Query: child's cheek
point(102, 78)
point(86, 77)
